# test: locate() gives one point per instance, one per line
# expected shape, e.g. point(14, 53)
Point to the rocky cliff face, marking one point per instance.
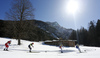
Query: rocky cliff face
point(60, 31)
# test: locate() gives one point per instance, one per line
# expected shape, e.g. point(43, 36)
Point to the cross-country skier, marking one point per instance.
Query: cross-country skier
point(77, 46)
point(7, 45)
point(29, 46)
point(60, 46)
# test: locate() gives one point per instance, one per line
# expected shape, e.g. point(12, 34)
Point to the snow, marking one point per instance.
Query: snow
point(45, 51)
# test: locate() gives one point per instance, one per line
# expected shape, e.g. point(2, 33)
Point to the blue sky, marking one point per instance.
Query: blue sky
point(55, 10)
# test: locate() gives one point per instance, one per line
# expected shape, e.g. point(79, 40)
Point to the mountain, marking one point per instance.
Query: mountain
point(33, 30)
point(54, 29)
point(61, 31)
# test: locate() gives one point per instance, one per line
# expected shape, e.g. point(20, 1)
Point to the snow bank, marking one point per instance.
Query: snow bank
point(46, 51)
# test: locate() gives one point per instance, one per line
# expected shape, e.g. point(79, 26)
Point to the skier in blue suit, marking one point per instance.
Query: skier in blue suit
point(77, 46)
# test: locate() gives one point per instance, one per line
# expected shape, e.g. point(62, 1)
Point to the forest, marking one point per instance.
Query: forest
point(90, 37)
point(27, 31)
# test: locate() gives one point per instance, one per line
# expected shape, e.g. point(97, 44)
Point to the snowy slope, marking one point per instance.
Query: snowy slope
point(46, 51)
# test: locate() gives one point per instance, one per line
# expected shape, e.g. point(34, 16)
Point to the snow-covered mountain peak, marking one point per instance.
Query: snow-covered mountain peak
point(53, 23)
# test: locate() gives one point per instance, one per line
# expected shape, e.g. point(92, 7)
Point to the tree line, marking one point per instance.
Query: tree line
point(90, 37)
point(28, 31)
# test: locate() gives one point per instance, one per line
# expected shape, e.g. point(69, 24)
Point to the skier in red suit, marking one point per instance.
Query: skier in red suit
point(7, 45)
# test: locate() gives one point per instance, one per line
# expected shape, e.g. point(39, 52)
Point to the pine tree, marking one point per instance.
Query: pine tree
point(73, 35)
point(83, 36)
point(92, 34)
point(98, 32)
